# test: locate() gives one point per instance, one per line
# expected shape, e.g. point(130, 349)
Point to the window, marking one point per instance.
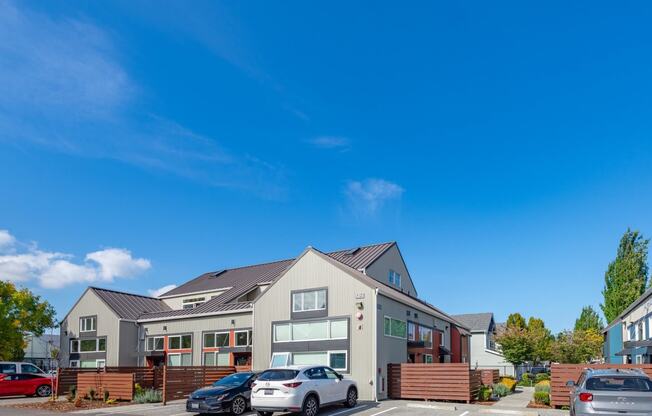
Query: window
point(279, 359)
point(394, 278)
point(179, 342)
point(100, 363)
point(180, 360)
point(30, 368)
point(641, 335)
point(311, 331)
point(74, 345)
point(610, 383)
point(242, 338)
point(217, 358)
point(395, 328)
point(441, 339)
point(412, 336)
point(155, 344)
point(314, 300)
point(218, 339)
point(639, 359)
point(6, 368)
point(101, 344)
point(632, 333)
point(192, 303)
point(310, 358)
point(427, 358)
point(425, 335)
point(87, 324)
point(88, 345)
point(74, 363)
point(337, 360)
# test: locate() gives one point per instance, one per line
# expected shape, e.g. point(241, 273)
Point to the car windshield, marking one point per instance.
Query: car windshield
point(611, 383)
point(232, 380)
point(278, 375)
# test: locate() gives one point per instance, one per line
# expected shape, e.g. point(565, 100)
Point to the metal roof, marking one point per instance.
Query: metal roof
point(210, 307)
point(476, 321)
point(128, 305)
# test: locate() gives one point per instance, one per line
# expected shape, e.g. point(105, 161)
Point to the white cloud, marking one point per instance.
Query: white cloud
point(6, 240)
point(368, 196)
point(55, 270)
point(331, 142)
point(161, 290)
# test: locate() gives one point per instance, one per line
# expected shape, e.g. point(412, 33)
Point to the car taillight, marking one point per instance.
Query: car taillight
point(586, 397)
point(292, 385)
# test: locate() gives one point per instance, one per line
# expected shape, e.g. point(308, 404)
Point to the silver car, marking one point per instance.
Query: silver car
point(611, 392)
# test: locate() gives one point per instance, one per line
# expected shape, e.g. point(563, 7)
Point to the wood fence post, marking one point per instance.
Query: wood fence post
point(165, 383)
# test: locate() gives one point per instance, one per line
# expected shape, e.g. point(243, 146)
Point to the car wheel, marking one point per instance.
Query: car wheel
point(310, 406)
point(261, 413)
point(351, 397)
point(44, 390)
point(238, 406)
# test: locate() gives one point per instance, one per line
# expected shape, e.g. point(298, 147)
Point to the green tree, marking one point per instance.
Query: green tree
point(626, 277)
point(21, 312)
point(516, 320)
point(515, 344)
point(577, 347)
point(589, 319)
point(540, 340)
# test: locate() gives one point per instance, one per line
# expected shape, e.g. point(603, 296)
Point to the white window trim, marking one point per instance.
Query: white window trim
point(287, 358)
point(154, 337)
point(328, 330)
point(235, 338)
point(180, 343)
point(97, 345)
point(316, 300)
point(216, 334)
point(390, 327)
point(203, 357)
point(73, 366)
point(346, 359)
point(72, 341)
point(394, 278)
point(178, 353)
point(98, 361)
point(431, 358)
point(93, 320)
point(414, 333)
point(442, 339)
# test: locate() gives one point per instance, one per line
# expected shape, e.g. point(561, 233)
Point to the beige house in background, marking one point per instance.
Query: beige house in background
point(352, 310)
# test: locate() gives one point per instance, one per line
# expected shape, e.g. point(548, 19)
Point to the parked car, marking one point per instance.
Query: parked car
point(539, 370)
point(609, 392)
point(301, 389)
point(10, 367)
point(25, 384)
point(229, 394)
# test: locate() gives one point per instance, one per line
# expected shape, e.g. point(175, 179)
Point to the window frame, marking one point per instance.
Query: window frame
point(235, 338)
point(425, 359)
point(394, 278)
point(82, 323)
point(154, 338)
point(390, 327)
point(180, 336)
point(179, 354)
point(74, 341)
point(287, 359)
point(328, 330)
point(346, 360)
point(78, 341)
point(100, 360)
point(76, 364)
point(303, 295)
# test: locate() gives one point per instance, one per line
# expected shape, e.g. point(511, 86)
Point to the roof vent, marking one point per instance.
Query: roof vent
point(351, 251)
point(215, 274)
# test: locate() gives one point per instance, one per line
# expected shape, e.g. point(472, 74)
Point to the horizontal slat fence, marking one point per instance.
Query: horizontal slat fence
point(181, 381)
point(146, 377)
point(67, 378)
point(119, 385)
point(562, 373)
point(490, 377)
point(447, 381)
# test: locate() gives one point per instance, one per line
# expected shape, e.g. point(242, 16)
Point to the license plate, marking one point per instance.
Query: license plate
point(194, 405)
point(269, 392)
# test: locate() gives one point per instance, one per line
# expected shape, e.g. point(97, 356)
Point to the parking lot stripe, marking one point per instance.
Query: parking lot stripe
point(465, 413)
point(341, 412)
point(384, 411)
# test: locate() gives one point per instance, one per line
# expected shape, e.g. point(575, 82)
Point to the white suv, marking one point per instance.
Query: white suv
point(301, 389)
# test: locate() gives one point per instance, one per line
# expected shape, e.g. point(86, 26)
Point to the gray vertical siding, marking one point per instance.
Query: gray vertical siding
point(344, 291)
point(391, 259)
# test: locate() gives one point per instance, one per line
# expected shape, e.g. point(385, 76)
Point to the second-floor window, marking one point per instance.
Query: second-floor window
point(87, 345)
point(314, 300)
point(179, 342)
point(155, 344)
point(311, 331)
point(641, 333)
point(242, 338)
point(88, 324)
point(412, 331)
point(192, 303)
point(394, 278)
point(395, 328)
point(425, 335)
point(217, 339)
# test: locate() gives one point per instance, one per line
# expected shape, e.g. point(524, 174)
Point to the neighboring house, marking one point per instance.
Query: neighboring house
point(485, 352)
point(355, 310)
point(628, 339)
point(39, 351)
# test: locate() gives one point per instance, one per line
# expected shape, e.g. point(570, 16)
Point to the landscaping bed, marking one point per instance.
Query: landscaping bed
point(66, 406)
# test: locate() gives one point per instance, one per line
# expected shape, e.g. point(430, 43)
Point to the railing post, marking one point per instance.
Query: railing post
point(165, 383)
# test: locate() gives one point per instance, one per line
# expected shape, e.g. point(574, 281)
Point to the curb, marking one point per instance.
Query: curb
point(433, 406)
point(510, 412)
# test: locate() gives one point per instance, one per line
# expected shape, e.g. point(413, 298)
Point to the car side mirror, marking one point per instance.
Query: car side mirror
point(340, 376)
point(570, 383)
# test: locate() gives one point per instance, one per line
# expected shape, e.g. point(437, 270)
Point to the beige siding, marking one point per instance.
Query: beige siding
point(196, 326)
point(482, 357)
point(391, 260)
point(312, 271)
point(394, 350)
point(108, 325)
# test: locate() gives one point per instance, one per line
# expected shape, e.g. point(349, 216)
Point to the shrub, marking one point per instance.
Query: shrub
point(543, 386)
point(72, 393)
point(485, 393)
point(138, 390)
point(148, 396)
point(526, 378)
point(542, 377)
point(541, 397)
point(509, 382)
point(501, 389)
point(91, 393)
point(106, 395)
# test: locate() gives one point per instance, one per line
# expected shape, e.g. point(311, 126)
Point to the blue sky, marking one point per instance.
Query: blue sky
point(506, 147)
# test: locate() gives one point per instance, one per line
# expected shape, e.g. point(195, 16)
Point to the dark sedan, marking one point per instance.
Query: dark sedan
point(229, 394)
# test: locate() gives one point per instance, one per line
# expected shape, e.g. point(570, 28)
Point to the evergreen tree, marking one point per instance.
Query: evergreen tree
point(589, 319)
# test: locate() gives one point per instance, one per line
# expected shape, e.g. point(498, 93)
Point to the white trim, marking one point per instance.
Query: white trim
point(235, 338)
point(154, 337)
point(218, 289)
point(215, 334)
point(431, 358)
point(374, 352)
point(328, 330)
point(79, 341)
point(303, 294)
point(97, 362)
point(180, 342)
point(93, 320)
point(195, 315)
point(168, 355)
point(346, 359)
point(290, 358)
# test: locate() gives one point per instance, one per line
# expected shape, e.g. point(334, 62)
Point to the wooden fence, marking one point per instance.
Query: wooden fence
point(490, 377)
point(120, 386)
point(562, 373)
point(449, 381)
point(179, 382)
point(146, 377)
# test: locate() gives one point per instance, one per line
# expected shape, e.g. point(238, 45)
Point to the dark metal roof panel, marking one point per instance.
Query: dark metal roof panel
point(128, 305)
point(208, 307)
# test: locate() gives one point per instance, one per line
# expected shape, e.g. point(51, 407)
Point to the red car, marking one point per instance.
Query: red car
point(25, 385)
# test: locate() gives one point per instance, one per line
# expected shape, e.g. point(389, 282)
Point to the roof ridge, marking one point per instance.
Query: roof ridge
point(361, 247)
point(123, 292)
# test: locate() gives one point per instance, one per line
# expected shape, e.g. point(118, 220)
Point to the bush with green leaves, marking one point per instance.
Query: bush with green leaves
point(501, 389)
point(542, 386)
point(485, 393)
point(542, 377)
point(138, 390)
point(72, 393)
point(542, 397)
point(148, 396)
point(106, 395)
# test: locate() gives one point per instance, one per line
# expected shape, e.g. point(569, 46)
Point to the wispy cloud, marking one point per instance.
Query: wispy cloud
point(368, 196)
point(26, 263)
point(62, 87)
point(161, 290)
point(331, 142)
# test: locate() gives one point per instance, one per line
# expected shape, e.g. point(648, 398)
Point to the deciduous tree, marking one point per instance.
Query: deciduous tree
point(577, 347)
point(540, 339)
point(515, 345)
point(516, 320)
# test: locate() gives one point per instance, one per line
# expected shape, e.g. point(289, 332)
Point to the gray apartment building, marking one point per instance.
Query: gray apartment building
point(355, 310)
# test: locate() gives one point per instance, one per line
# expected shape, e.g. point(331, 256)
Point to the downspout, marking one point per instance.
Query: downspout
point(374, 354)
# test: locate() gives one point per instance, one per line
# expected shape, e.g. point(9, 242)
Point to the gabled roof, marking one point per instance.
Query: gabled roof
point(128, 305)
point(647, 294)
point(476, 322)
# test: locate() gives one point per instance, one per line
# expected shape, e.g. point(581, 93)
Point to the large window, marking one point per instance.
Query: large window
point(394, 278)
point(337, 360)
point(88, 324)
point(425, 335)
point(217, 339)
point(217, 358)
point(155, 344)
point(412, 331)
point(179, 342)
point(242, 338)
point(314, 300)
point(311, 331)
point(88, 345)
point(395, 328)
point(180, 360)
